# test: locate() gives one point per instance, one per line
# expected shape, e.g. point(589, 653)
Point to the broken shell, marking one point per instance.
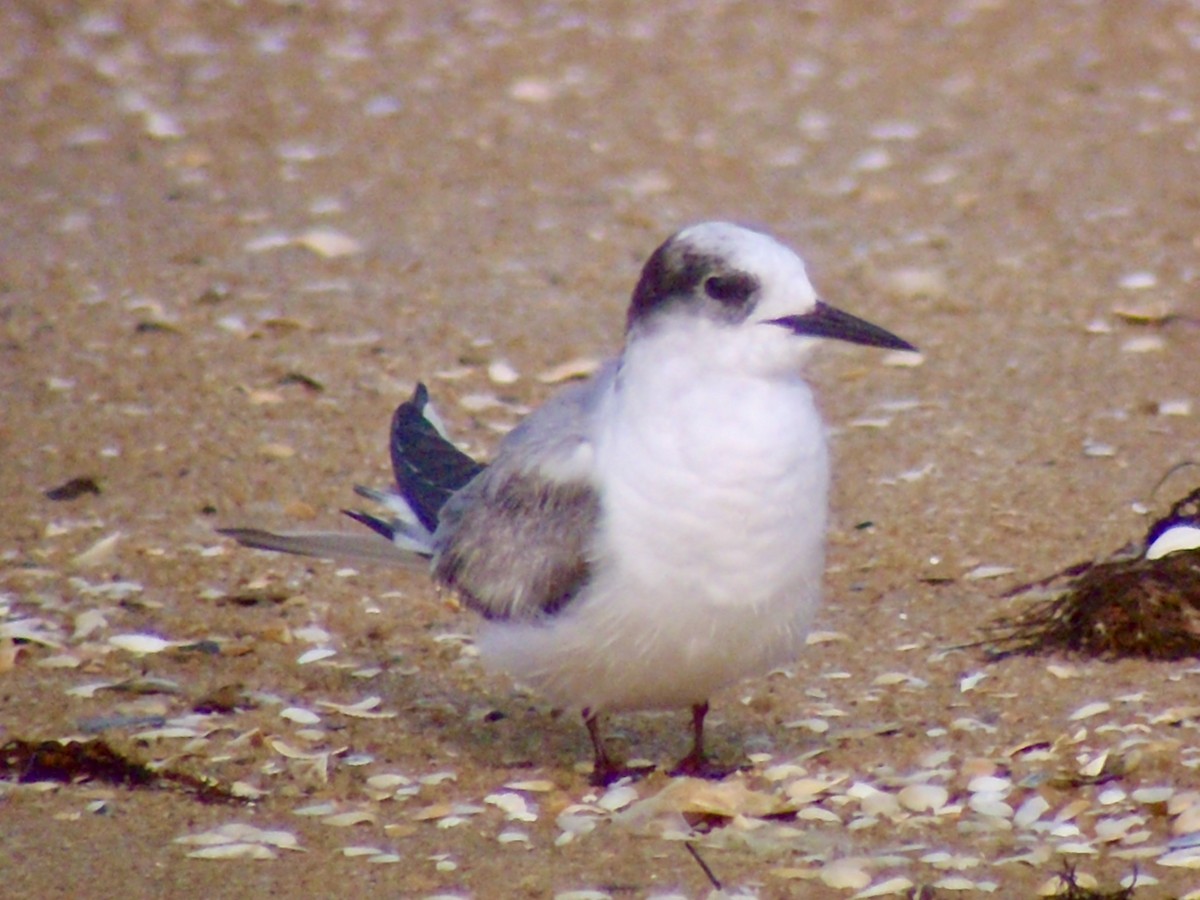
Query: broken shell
point(989, 784)
point(889, 887)
point(1139, 280)
point(537, 786)
point(514, 806)
point(617, 798)
point(99, 553)
point(570, 370)
point(1151, 312)
point(825, 637)
point(349, 818)
point(1089, 709)
point(329, 243)
point(1144, 343)
point(315, 655)
point(1093, 767)
point(981, 573)
point(234, 851)
point(140, 643)
point(501, 371)
point(300, 716)
point(845, 873)
point(1030, 811)
point(1188, 821)
point(1153, 795)
point(923, 797)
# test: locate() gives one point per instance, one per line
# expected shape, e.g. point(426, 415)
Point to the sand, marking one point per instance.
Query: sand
point(235, 235)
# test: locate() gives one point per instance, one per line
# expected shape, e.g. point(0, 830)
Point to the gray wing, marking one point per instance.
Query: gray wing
point(517, 541)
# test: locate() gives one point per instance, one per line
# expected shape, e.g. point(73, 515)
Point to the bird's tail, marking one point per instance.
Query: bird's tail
point(428, 468)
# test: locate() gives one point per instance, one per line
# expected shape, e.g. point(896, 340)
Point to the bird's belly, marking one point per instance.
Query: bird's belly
point(605, 654)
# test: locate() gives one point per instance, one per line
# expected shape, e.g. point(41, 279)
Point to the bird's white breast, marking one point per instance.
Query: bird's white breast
point(708, 559)
point(714, 487)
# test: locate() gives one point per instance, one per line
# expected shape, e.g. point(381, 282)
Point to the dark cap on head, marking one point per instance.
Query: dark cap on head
point(678, 273)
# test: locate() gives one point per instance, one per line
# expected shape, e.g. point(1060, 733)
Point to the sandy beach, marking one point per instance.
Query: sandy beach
point(234, 236)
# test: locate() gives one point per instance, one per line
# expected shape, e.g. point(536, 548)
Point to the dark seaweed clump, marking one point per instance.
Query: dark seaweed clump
point(1124, 607)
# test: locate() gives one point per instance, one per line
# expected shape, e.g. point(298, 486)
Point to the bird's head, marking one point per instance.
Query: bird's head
point(747, 290)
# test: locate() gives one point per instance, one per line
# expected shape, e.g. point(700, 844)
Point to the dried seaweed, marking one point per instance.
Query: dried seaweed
point(1125, 606)
point(77, 761)
point(75, 487)
point(226, 699)
point(72, 761)
point(305, 381)
point(1072, 890)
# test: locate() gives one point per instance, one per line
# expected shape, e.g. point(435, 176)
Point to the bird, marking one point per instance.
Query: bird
point(655, 533)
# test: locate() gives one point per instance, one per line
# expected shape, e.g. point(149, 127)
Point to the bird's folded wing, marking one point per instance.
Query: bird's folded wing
point(518, 541)
point(326, 544)
point(521, 549)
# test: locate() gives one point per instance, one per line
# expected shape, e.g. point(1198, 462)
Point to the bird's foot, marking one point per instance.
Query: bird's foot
point(605, 770)
point(699, 766)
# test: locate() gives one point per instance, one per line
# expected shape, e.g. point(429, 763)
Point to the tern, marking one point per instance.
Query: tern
point(655, 533)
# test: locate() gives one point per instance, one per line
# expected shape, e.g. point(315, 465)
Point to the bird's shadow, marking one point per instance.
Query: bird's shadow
point(493, 725)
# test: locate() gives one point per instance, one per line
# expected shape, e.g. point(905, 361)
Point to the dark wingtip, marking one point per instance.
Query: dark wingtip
point(427, 467)
point(379, 526)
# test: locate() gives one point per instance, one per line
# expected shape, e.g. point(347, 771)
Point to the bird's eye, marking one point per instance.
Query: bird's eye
point(732, 290)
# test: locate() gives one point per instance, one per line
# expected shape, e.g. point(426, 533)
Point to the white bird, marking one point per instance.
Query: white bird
point(656, 533)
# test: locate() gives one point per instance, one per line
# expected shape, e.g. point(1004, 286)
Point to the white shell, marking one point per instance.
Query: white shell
point(501, 371)
point(1154, 794)
point(1187, 858)
point(140, 643)
point(328, 242)
point(234, 851)
point(514, 806)
point(299, 715)
point(1090, 709)
point(617, 797)
point(315, 655)
point(845, 873)
point(349, 817)
point(897, 884)
point(923, 797)
point(360, 851)
point(1188, 821)
point(1181, 537)
point(1030, 811)
point(989, 784)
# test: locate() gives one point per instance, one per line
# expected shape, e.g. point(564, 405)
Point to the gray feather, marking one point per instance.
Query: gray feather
point(326, 545)
point(516, 542)
point(488, 561)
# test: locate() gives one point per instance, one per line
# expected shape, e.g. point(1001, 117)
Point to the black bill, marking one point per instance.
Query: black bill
point(830, 322)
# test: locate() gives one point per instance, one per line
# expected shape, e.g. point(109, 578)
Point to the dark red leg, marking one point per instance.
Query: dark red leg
point(696, 764)
point(604, 770)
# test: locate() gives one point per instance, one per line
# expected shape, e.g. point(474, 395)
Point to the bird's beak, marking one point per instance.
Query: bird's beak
point(830, 322)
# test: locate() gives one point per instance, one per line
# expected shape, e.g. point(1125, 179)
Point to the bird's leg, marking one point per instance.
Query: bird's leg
point(696, 764)
point(602, 767)
point(604, 770)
